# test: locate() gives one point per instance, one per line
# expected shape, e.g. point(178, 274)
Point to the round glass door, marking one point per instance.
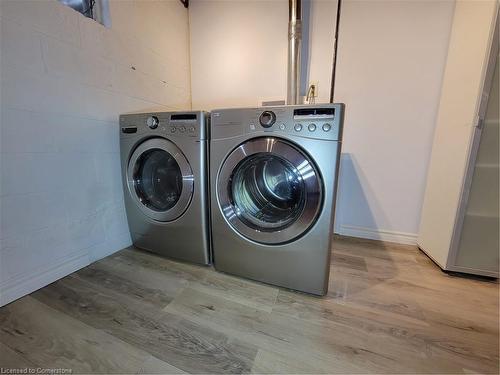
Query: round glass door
point(157, 180)
point(269, 190)
point(160, 179)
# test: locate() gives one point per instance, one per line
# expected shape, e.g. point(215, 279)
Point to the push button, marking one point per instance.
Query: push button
point(327, 127)
point(129, 130)
point(311, 127)
point(298, 127)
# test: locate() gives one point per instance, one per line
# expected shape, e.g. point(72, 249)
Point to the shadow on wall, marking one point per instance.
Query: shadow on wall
point(372, 257)
point(356, 202)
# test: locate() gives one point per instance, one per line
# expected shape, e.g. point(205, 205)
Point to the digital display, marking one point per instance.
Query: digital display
point(183, 116)
point(314, 112)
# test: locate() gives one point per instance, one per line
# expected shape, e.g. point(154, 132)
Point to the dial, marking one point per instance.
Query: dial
point(311, 127)
point(152, 122)
point(267, 119)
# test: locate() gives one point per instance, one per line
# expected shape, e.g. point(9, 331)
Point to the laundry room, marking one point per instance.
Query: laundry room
point(250, 186)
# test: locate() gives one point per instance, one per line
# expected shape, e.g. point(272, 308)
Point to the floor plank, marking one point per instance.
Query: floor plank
point(11, 358)
point(155, 366)
point(100, 275)
point(51, 339)
point(142, 273)
point(389, 310)
point(171, 268)
point(246, 292)
point(171, 338)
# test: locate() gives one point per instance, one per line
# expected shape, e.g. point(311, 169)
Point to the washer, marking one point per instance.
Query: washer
point(274, 176)
point(164, 174)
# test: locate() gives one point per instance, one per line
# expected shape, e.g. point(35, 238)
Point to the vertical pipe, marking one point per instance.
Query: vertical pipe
point(294, 46)
point(335, 49)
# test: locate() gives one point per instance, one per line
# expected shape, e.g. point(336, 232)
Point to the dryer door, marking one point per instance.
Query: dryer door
point(269, 190)
point(160, 179)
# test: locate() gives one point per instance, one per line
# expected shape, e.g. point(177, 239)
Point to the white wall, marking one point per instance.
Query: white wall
point(321, 35)
point(390, 66)
point(64, 81)
point(239, 50)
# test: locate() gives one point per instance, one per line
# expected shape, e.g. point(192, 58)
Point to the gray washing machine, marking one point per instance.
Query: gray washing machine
point(274, 175)
point(164, 172)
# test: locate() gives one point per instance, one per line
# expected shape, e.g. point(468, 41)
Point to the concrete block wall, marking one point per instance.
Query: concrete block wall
point(64, 80)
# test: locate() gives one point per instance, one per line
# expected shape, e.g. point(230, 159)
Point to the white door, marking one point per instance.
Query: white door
point(458, 126)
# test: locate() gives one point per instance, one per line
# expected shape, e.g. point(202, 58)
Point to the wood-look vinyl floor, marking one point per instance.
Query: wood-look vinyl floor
point(389, 310)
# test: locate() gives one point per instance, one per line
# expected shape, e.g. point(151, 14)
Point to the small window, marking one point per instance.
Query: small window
point(98, 10)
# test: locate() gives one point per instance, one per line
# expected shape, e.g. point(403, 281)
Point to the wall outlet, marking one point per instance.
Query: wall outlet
point(316, 87)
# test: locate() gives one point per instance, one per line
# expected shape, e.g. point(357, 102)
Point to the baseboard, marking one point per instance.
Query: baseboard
point(18, 287)
point(110, 246)
point(376, 234)
point(15, 288)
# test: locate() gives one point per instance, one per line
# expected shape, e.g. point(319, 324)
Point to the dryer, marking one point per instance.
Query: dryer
point(164, 175)
point(274, 177)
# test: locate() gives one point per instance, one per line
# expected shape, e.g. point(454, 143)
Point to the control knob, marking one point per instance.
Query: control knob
point(267, 119)
point(152, 122)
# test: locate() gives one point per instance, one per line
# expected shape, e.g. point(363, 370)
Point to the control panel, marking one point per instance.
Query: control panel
point(316, 121)
point(174, 124)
